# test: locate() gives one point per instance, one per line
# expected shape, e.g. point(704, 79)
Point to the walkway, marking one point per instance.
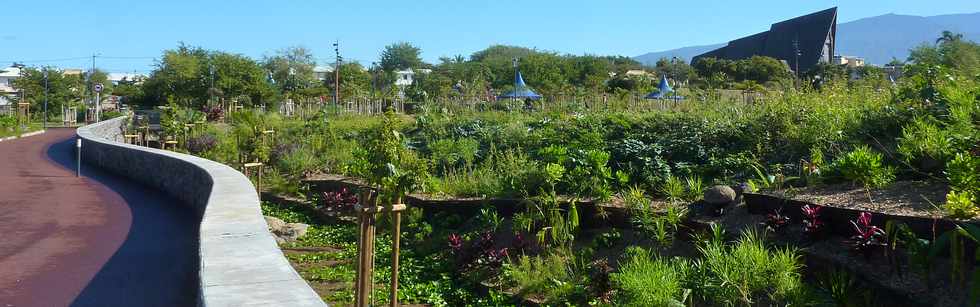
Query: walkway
point(98, 240)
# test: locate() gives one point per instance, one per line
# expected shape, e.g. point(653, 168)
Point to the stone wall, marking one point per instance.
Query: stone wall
point(240, 261)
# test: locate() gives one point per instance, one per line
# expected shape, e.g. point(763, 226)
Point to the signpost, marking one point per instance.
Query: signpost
point(98, 102)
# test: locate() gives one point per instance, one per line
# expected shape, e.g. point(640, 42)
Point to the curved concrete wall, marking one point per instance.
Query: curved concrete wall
point(241, 265)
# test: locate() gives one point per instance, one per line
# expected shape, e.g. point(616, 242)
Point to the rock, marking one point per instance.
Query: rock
point(285, 232)
point(719, 195)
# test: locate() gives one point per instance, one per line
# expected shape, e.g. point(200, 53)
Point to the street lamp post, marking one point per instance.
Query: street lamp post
point(44, 121)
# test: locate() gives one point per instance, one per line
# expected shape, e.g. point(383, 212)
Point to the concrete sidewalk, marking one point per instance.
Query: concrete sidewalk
point(98, 240)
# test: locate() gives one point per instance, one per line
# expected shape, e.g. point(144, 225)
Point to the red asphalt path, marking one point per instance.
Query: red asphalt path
point(57, 231)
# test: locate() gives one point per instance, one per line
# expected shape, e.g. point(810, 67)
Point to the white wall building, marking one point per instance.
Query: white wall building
point(7, 77)
point(322, 72)
point(405, 77)
point(850, 61)
point(116, 77)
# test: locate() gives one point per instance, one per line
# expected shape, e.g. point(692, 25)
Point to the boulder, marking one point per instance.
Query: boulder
point(285, 232)
point(719, 195)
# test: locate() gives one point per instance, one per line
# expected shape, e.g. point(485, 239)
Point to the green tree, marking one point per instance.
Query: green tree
point(61, 90)
point(400, 56)
point(675, 69)
point(236, 75)
point(355, 81)
point(291, 68)
point(178, 77)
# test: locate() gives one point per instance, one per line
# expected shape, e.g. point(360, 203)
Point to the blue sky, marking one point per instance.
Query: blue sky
point(129, 34)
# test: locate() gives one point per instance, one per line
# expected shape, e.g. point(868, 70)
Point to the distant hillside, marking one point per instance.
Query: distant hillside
point(685, 53)
point(877, 39)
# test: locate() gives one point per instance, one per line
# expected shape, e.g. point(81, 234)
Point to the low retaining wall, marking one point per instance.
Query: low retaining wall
point(240, 261)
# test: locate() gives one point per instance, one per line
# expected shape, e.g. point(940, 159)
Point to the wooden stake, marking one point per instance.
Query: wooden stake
point(396, 234)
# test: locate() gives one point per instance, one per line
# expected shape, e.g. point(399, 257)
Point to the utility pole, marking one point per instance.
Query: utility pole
point(336, 71)
point(91, 78)
point(797, 53)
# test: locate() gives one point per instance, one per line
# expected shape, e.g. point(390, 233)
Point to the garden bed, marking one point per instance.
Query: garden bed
point(877, 282)
point(838, 216)
point(614, 212)
point(902, 198)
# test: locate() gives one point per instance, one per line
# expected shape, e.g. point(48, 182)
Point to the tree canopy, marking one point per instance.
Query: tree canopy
point(400, 56)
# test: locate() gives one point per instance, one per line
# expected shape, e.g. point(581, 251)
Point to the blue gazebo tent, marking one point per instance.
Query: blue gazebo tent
point(663, 91)
point(521, 90)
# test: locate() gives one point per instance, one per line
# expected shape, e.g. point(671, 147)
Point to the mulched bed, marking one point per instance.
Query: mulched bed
point(908, 198)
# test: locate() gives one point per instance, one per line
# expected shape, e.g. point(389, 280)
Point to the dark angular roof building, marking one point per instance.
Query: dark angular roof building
point(813, 36)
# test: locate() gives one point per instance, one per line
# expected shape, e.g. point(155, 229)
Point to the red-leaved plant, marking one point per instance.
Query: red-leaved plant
point(867, 237)
point(341, 202)
point(812, 224)
point(455, 242)
point(776, 220)
point(478, 253)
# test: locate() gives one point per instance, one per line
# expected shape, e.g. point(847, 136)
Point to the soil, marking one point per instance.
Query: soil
point(908, 198)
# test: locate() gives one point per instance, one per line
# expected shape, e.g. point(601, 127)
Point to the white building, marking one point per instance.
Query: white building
point(116, 77)
point(850, 61)
point(322, 72)
point(7, 77)
point(405, 77)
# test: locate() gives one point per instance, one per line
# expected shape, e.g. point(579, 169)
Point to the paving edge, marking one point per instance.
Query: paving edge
point(32, 133)
point(240, 262)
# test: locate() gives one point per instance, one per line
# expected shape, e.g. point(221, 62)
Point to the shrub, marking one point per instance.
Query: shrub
point(341, 201)
point(214, 113)
point(960, 205)
point(925, 144)
point(963, 172)
point(865, 167)
point(111, 114)
point(202, 143)
point(549, 276)
point(7, 122)
point(298, 163)
point(648, 280)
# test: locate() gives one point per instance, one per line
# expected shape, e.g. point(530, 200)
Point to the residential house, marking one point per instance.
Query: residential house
point(7, 90)
point(850, 61)
point(322, 72)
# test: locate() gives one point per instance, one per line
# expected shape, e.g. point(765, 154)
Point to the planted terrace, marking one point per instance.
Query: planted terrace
point(844, 196)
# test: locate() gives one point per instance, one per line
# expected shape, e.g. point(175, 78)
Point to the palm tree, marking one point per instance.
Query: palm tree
point(949, 37)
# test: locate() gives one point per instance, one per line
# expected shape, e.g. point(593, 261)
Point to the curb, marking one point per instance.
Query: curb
point(32, 133)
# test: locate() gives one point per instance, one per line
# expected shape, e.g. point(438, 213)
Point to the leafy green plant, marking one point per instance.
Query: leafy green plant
point(925, 144)
point(608, 239)
point(739, 274)
point(864, 166)
point(960, 205)
point(841, 286)
point(546, 276)
point(963, 172)
point(489, 217)
point(646, 279)
point(673, 189)
point(695, 188)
